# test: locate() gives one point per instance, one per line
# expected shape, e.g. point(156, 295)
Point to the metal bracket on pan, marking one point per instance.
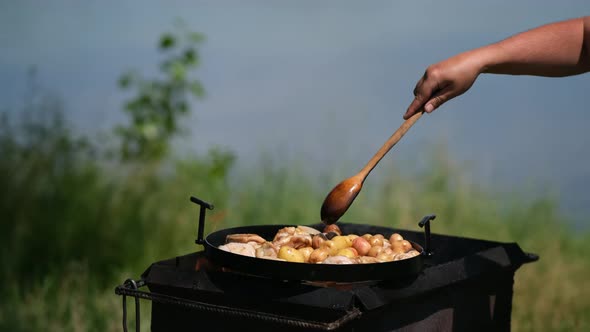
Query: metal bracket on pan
point(425, 222)
point(204, 205)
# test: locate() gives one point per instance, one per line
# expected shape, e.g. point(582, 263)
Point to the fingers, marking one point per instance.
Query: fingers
point(422, 92)
point(419, 84)
point(438, 99)
point(442, 82)
point(434, 100)
point(414, 107)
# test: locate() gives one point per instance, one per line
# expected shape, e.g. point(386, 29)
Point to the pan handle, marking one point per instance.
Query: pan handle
point(425, 222)
point(204, 205)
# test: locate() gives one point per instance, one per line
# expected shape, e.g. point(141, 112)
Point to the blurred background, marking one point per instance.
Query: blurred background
point(114, 113)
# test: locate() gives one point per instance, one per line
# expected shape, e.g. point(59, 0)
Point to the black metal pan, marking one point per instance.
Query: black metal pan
point(275, 269)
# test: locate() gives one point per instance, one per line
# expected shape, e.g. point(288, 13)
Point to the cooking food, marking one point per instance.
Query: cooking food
point(302, 244)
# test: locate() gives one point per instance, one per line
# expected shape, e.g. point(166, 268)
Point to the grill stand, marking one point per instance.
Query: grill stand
point(478, 298)
point(131, 288)
point(467, 285)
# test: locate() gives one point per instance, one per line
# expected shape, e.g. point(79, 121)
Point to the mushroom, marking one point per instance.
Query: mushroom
point(244, 238)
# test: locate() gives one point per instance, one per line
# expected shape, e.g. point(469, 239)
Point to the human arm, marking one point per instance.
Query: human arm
point(553, 50)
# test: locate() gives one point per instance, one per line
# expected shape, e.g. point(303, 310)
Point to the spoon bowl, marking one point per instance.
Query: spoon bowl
point(341, 197)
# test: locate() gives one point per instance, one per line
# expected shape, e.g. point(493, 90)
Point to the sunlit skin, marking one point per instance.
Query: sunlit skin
point(553, 50)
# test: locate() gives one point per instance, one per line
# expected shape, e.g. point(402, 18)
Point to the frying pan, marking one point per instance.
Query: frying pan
point(396, 270)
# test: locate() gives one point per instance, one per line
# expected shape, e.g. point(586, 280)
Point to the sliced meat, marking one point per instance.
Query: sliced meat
point(409, 254)
point(292, 237)
point(366, 260)
point(295, 241)
point(338, 260)
point(308, 230)
point(244, 238)
point(267, 250)
point(246, 249)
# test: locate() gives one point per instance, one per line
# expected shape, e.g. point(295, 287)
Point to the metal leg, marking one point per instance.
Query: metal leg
point(133, 284)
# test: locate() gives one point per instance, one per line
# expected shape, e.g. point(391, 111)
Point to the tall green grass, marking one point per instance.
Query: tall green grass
point(74, 226)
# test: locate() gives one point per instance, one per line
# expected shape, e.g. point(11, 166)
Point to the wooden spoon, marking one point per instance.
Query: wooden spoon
point(342, 196)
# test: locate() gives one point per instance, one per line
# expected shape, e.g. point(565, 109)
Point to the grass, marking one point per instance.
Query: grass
point(73, 228)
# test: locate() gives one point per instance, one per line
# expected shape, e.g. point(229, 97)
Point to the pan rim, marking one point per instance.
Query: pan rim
point(276, 269)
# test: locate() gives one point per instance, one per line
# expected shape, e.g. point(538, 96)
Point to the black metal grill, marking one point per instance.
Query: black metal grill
point(466, 285)
point(470, 291)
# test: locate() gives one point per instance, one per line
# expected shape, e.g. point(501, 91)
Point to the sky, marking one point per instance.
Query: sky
point(326, 81)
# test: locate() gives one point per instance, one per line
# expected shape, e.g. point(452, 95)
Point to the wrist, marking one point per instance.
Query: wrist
point(489, 59)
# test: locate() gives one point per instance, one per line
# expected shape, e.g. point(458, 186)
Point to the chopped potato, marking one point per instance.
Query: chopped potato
point(303, 244)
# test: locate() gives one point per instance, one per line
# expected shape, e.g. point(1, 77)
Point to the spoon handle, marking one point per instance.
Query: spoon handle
point(393, 139)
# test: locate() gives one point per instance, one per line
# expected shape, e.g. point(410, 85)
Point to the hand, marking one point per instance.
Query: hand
point(443, 81)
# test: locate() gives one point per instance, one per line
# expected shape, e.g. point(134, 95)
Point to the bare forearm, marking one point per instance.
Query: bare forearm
point(557, 49)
